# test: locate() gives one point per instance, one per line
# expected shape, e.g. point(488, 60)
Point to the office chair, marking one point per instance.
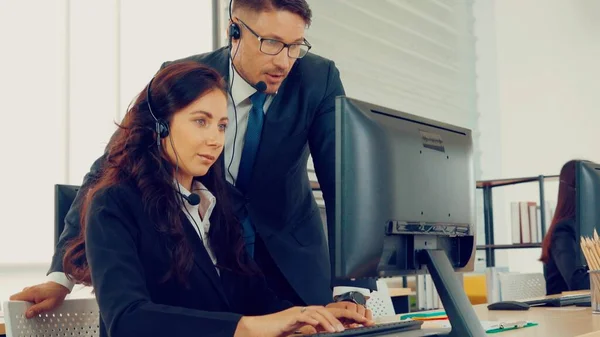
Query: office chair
point(520, 286)
point(74, 317)
point(64, 195)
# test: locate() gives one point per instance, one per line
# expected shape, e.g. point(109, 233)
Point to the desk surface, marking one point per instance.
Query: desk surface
point(556, 322)
point(2, 328)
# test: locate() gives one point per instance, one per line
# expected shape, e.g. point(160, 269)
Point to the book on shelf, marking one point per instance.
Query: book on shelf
point(310, 168)
point(492, 280)
point(526, 221)
point(427, 295)
point(319, 198)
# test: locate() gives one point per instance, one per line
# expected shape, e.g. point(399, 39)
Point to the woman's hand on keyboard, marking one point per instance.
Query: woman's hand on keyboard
point(361, 310)
point(291, 320)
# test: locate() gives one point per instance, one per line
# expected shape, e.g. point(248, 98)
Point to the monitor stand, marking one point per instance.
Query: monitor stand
point(456, 304)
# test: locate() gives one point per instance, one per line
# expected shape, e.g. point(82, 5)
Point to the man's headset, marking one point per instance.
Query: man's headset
point(236, 33)
point(234, 28)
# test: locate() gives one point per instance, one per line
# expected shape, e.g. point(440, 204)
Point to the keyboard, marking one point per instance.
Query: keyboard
point(561, 301)
point(374, 330)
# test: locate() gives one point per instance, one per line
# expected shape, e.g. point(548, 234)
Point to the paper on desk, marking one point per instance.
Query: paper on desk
point(425, 316)
point(567, 309)
point(488, 326)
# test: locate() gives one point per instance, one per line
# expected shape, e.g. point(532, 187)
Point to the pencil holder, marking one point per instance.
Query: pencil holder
point(595, 290)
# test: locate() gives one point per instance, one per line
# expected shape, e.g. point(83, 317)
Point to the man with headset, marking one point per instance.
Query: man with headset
point(282, 105)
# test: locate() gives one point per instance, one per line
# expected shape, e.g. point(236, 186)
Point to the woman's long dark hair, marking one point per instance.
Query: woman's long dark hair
point(134, 157)
point(566, 206)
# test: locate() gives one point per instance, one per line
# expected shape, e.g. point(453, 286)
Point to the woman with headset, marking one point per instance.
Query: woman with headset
point(158, 242)
point(560, 247)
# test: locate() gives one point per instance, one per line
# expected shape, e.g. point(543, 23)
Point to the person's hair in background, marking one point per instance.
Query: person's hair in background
point(298, 7)
point(133, 155)
point(566, 206)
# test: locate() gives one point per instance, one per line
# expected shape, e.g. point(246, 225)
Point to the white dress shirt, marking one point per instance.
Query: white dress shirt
point(199, 215)
point(241, 92)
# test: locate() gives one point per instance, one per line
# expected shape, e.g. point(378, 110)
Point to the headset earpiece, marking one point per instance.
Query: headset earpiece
point(234, 31)
point(161, 127)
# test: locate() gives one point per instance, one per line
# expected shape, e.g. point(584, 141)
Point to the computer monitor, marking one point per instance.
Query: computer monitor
point(64, 195)
point(405, 200)
point(587, 185)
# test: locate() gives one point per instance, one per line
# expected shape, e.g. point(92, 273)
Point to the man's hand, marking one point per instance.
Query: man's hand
point(45, 297)
point(352, 307)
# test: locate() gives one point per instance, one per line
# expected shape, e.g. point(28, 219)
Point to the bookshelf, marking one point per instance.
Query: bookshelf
point(511, 246)
point(488, 213)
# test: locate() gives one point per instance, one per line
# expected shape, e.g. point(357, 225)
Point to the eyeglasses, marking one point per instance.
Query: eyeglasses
point(274, 47)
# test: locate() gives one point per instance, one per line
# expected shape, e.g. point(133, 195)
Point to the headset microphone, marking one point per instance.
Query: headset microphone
point(260, 86)
point(193, 199)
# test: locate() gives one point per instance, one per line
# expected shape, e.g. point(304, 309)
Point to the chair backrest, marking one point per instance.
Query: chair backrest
point(380, 301)
point(64, 195)
point(520, 286)
point(74, 317)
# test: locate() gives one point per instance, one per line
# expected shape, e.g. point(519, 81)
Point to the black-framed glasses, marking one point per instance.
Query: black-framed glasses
point(274, 47)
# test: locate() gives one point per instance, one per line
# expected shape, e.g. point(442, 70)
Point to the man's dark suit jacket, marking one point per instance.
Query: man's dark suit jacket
point(562, 272)
point(128, 259)
point(279, 200)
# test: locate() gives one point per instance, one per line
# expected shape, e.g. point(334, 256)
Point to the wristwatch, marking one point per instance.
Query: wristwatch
point(352, 296)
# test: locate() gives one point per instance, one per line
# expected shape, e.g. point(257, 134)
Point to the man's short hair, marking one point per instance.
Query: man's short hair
point(298, 7)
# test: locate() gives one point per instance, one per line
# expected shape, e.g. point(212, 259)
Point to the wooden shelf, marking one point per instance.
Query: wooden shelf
point(482, 183)
point(512, 246)
point(399, 292)
point(513, 181)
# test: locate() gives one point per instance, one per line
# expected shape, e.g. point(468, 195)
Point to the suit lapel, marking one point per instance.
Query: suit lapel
point(202, 259)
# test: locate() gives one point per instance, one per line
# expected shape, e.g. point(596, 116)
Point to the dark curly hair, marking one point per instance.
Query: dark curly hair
point(133, 156)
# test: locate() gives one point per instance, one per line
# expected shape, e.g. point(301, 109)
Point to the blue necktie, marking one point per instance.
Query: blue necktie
point(251, 142)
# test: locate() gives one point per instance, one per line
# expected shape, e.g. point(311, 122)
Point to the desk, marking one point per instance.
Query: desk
point(2, 327)
point(552, 322)
point(555, 322)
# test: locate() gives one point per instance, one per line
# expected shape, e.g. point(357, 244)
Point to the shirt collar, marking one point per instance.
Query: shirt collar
point(240, 89)
point(207, 199)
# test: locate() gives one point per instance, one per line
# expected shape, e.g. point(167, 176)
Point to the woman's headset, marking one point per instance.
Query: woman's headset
point(161, 126)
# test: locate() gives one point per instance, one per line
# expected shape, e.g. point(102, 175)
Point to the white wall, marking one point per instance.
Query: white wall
point(70, 69)
point(538, 85)
point(34, 98)
point(414, 56)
